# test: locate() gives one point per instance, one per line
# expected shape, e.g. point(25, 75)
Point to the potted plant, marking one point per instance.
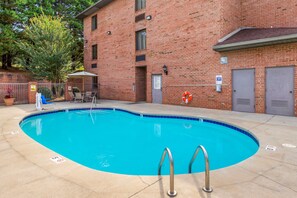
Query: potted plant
point(8, 99)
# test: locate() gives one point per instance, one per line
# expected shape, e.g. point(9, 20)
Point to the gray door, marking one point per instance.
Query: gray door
point(280, 91)
point(243, 83)
point(157, 88)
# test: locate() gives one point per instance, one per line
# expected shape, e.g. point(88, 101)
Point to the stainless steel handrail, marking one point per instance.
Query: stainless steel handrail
point(207, 187)
point(171, 192)
point(94, 101)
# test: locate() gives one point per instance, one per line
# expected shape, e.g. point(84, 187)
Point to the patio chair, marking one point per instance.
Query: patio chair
point(43, 100)
point(88, 96)
point(78, 97)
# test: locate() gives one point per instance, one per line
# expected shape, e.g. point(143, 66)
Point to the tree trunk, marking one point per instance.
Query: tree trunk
point(9, 60)
point(4, 61)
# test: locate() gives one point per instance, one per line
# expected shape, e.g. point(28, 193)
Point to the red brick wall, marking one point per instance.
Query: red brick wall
point(14, 77)
point(260, 58)
point(230, 16)
point(181, 35)
point(116, 52)
point(32, 93)
point(267, 13)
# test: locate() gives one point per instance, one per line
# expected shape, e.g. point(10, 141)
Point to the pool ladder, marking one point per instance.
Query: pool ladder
point(171, 192)
point(207, 187)
point(94, 103)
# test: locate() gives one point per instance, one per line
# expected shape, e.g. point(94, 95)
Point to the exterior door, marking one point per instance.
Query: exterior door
point(157, 88)
point(243, 83)
point(280, 91)
point(140, 81)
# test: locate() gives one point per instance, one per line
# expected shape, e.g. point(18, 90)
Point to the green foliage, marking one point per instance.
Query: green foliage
point(47, 49)
point(15, 15)
point(45, 91)
point(8, 32)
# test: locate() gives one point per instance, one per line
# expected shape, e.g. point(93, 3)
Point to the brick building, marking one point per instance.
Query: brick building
point(155, 50)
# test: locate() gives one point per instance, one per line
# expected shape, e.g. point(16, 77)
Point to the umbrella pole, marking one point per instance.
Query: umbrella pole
point(83, 88)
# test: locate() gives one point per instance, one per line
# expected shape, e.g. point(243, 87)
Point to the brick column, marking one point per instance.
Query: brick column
point(32, 90)
point(67, 96)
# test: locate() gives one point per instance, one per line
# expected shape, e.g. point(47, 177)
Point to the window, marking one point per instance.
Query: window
point(94, 65)
point(94, 22)
point(141, 40)
point(139, 4)
point(94, 52)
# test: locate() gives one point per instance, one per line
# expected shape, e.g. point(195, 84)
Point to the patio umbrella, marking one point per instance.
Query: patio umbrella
point(82, 75)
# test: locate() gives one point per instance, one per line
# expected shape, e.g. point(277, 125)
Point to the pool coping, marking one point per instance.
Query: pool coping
point(261, 172)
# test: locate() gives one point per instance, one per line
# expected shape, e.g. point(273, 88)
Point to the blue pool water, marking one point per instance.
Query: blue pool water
point(127, 143)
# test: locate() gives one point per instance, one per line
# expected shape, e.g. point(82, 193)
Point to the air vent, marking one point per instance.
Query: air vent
point(94, 65)
point(279, 103)
point(243, 101)
point(140, 17)
point(140, 58)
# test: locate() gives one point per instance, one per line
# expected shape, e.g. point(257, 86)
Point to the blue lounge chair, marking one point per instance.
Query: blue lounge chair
point(43, 100)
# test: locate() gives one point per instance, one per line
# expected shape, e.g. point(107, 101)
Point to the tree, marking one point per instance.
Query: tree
point(15, 15)
point(8, 32)
point(48, 48)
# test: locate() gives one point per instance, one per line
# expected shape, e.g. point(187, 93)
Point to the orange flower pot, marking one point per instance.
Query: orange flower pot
point(9, 101)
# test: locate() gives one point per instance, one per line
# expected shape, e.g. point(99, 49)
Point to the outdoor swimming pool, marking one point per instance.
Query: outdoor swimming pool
point(123, 142)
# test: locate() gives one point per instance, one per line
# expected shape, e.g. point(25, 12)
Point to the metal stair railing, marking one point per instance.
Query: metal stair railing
point(171, 192)
point(94, 103)
point(207, 187)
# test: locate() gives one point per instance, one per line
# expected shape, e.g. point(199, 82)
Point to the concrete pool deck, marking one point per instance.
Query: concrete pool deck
point(27, 171)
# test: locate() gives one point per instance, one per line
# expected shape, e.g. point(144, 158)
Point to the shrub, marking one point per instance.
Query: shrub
point(45, 91)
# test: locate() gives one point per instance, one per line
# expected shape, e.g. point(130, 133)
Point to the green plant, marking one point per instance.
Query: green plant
point(8, 93)
point(48, 49)
point(45, 91)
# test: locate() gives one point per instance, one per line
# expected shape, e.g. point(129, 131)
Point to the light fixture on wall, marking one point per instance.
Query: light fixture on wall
point(108, 32)
point(149, 17)
point(165, 69)
point(86, 41)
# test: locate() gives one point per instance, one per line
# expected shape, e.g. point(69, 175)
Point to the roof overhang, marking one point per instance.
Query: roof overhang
point(92, 9)
point(256, 43)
